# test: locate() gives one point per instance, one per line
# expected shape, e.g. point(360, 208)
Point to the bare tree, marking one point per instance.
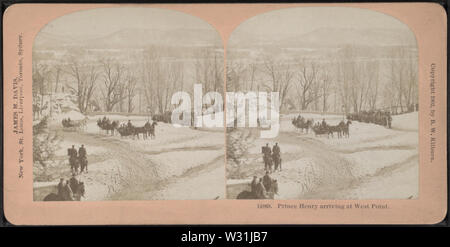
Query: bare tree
point(307, 85)
point(85, 79)
point(113, 75)
point(372, 73)
point(280, 78)
point(130, 91)
point(403, 77)
point(235, 76)
point(58, 74)
point(150, 73)
point(41, 84)
point(209, 70)
point(325, 86)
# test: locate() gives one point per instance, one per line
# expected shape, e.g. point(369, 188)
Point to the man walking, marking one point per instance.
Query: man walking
point(82, 156)
point(73, 158)
point(276, 156)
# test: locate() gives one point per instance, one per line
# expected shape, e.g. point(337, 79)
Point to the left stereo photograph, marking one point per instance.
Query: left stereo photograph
point(103, 85)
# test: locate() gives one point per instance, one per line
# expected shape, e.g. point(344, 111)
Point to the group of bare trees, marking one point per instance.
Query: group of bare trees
point(84, 80)
point(348, 82)
point(107, 84)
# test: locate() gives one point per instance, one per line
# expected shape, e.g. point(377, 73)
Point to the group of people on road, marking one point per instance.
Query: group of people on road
point(379, 117)
point(78, 159)
point(265, 187)
point(71, 189)
point(271, 157)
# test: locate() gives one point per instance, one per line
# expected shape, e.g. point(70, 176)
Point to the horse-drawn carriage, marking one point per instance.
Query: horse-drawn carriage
point(106, 124)
point(341, 129)
point(68, 123)
point(302, 123)
point(148, 130)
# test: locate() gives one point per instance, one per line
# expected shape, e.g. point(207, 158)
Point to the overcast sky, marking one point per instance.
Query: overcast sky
point(274, 24)
point(295, 21)
point(102, 21)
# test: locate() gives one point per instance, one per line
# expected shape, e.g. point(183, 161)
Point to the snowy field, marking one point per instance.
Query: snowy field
point(374, 162)
point(180, 163)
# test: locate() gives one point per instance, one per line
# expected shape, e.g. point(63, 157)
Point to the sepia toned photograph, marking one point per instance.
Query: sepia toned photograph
point(103, 81)
point(234, 114)
point(348, 107)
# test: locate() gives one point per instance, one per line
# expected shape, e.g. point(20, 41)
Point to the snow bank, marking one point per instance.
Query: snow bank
point(408, 121)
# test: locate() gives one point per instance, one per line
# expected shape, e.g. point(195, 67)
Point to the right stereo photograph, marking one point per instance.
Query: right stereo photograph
point(332, 100)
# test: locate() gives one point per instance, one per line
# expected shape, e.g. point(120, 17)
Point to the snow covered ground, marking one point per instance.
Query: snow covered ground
point(180, 163)
point(375, 162)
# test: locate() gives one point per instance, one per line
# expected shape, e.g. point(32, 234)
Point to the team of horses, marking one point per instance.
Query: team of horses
point(272, 162)
point(77, 162)
point(341, 129)
point(108, 125)
point(148, 130)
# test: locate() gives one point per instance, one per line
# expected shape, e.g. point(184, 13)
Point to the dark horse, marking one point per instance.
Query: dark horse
point(334, 128)
point(78, 192)
point(74, 164)
point(83, 164)
point(268, 162)
point(270, 194)
point(345, 129)
point(150, 129)
point(276, 157)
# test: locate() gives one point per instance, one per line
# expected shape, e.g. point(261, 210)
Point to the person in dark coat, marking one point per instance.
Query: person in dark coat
point(254, 184)
point(129, 124)
point(72, 152)
point(266, 155)
point(276, 149)
point(82, 151)
point(276, 156)
point(67, 193)
point(267, 181)
point(82, 157)
point(61, 185)
point(324, 124)
point(260, 190)
point(73, 158)
point(73, 182)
